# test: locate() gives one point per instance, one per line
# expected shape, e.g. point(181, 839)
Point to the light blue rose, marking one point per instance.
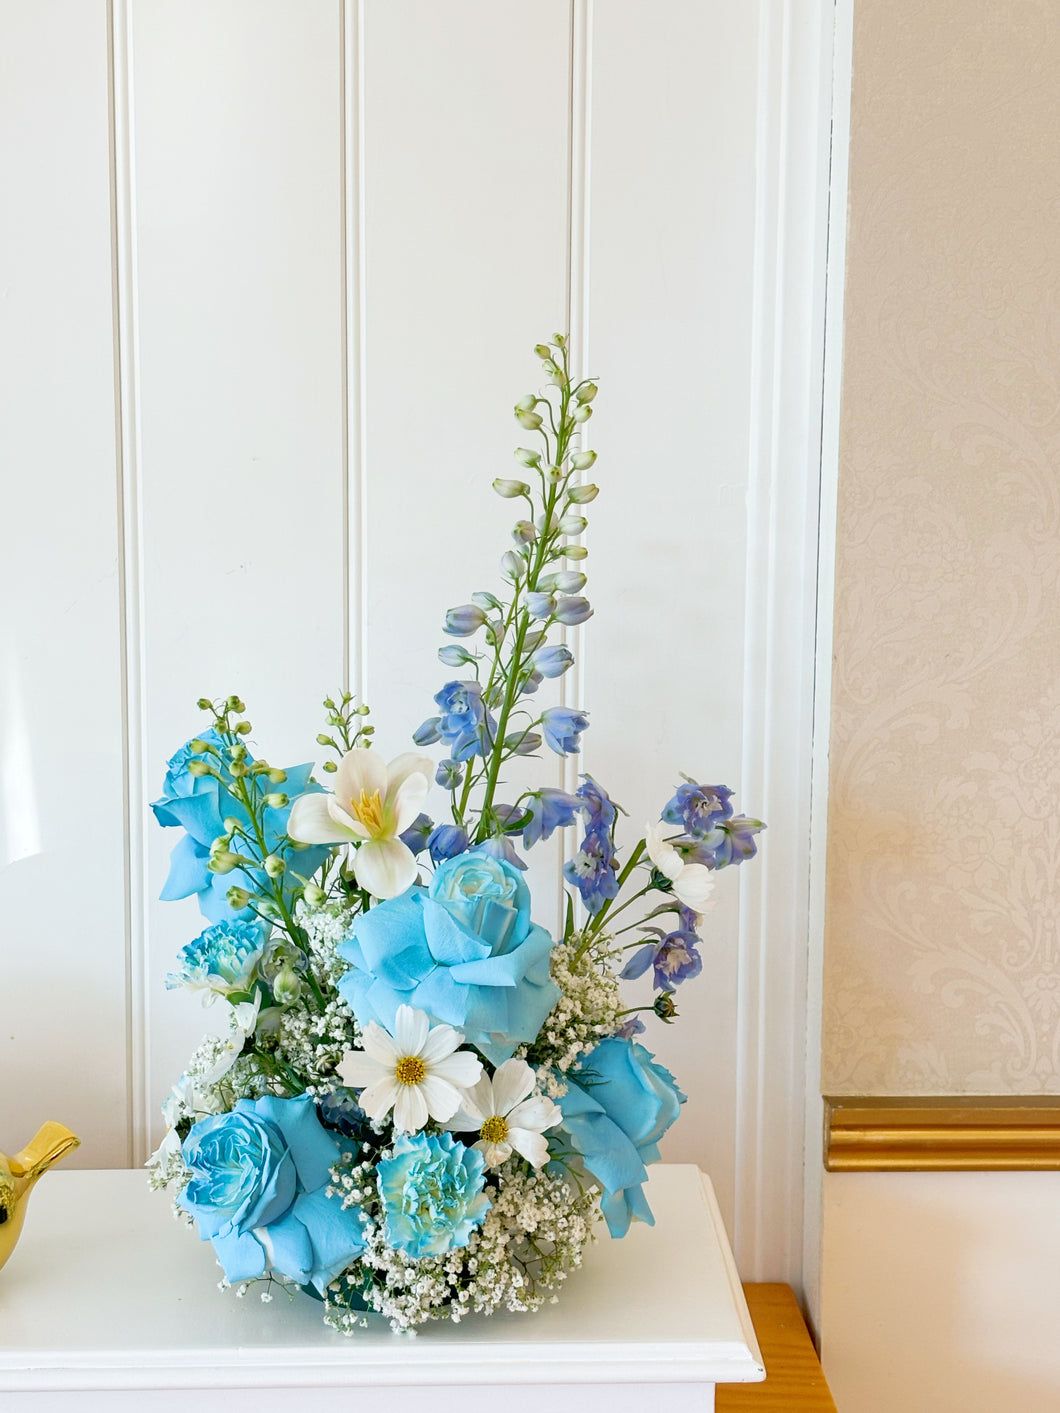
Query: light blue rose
point(222, 959)
point(258, 1192)
point(200, 804)
point(618, 1105)
point(432, 1194)
point(463, 950)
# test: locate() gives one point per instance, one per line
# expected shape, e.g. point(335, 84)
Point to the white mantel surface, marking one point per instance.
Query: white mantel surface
point(107, 1293)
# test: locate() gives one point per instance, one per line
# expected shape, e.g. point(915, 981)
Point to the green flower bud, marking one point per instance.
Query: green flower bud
point(367, 730)
point(244, 728)
point(572, 524)
point(197, 746)
point(560, 340)
point(510, 489)
point(314, 895)
point(586, 392)
point(575, 552)
point(526, 457)
point(553, 474)
point(286, 986)
point(275, 866)
point(224, 862)
point(198, 768)
point(331, 766)
point(237, 769)
point(238, 898)
point(204, 704)
point(582, 413)
point(582, 495)
point(277, 776)
point(512, 566)
point(529, 421)
point(527, 403)
point(543, 351)
point(524, 533)
point(234, 704)
point(582, 460)
point(231, 824)
point(276, 802)
point(362, 710)
point(324, 740)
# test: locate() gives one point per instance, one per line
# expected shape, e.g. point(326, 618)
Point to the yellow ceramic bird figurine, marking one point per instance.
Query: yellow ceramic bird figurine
point(18, 1174)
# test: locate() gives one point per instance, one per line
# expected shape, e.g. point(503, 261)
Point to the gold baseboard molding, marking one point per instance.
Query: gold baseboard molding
point(970, 1133)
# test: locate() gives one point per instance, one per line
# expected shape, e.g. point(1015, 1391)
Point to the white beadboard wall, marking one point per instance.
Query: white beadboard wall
point(272, 272)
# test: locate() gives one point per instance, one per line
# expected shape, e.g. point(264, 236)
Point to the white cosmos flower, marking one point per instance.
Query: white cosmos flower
point(419, 1072)
point(692, 883)
point(373, 803)
point(501, 1112)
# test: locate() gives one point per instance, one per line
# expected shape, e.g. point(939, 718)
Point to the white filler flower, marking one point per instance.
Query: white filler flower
point(505, 1117)
point(692, 883)
point(373, 803)
point(419, 1072)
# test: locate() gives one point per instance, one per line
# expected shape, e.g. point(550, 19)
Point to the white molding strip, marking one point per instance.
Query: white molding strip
point(794, 108)
point(354, 432)
point(579, 195)
point(842, 56)
point(130, 568)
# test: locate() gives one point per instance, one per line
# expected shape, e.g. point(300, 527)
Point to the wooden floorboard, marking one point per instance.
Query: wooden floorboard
point(794, 1382)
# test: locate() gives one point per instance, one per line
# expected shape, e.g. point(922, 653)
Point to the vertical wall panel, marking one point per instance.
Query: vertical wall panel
point(466, 148)
point(61, 839)
point(236, 127)
point(671, 229)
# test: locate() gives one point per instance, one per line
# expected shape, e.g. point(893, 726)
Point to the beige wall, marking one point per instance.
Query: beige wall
point(943, 954)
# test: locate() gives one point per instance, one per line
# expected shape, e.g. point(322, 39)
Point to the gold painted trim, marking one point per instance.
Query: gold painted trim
point(966, 1134)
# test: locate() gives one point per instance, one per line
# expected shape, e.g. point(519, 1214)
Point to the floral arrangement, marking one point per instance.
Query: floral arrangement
point(422, 1099)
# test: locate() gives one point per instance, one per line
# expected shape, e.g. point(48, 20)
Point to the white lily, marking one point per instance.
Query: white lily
point(419, 1072)
point(504, 1116)
point(692, 883)
point(373, 803)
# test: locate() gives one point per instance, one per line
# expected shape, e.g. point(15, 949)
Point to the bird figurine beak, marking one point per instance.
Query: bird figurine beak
point(18, 1175)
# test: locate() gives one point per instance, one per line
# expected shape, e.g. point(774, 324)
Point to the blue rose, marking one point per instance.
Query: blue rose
point(200, 804)
point(618, 1105)
point(432, 1194)
point(463, 950)
point(258, 1192)
point(222, 959)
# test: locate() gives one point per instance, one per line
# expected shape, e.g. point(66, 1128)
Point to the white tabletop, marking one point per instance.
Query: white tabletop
point(107, 1291)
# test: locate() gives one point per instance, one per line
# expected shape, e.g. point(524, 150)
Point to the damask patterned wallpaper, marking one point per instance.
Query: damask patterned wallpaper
point(943, 947)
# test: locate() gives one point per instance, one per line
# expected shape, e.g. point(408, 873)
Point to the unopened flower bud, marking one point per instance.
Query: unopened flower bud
point(224, 862)
point(286, 986)
point(523, 533)
point(582, 495)
point(463, 621)
point(486, 600)
point(314, 895)
point(527, 403)
point(364, 710)
point(540, 605)
point(276, 802)
point(582, 460)
point(453, 655)
point(238, 898)
point(204, 704)
point(586, 392)
point(198, 768)
point(277, 777)
point(572, 524)
point(244, 728)
point(330, 766)
point(234, 704)
point(427, 732)
point(543, 351)
point(197, 747)
point(553, 474)
point(510, 489)
point(274, 866)
point(560, 340)
point(526, 457)
point(324, 740)
point(512, 566)
point(575, 552)
point(571, 611)
point(568, 581)
point(529, 421)
point(581, 413)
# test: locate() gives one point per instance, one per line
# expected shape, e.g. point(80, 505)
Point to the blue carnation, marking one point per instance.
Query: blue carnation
point(563, 727)
point(431, 1188)
point(618, 1105)
point(258, 1192)
point(222, 959)
point(464, 951)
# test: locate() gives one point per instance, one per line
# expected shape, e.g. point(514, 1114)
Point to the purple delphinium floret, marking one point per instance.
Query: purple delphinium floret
point(698, 808)
point(563, 727)
point(549, 809)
